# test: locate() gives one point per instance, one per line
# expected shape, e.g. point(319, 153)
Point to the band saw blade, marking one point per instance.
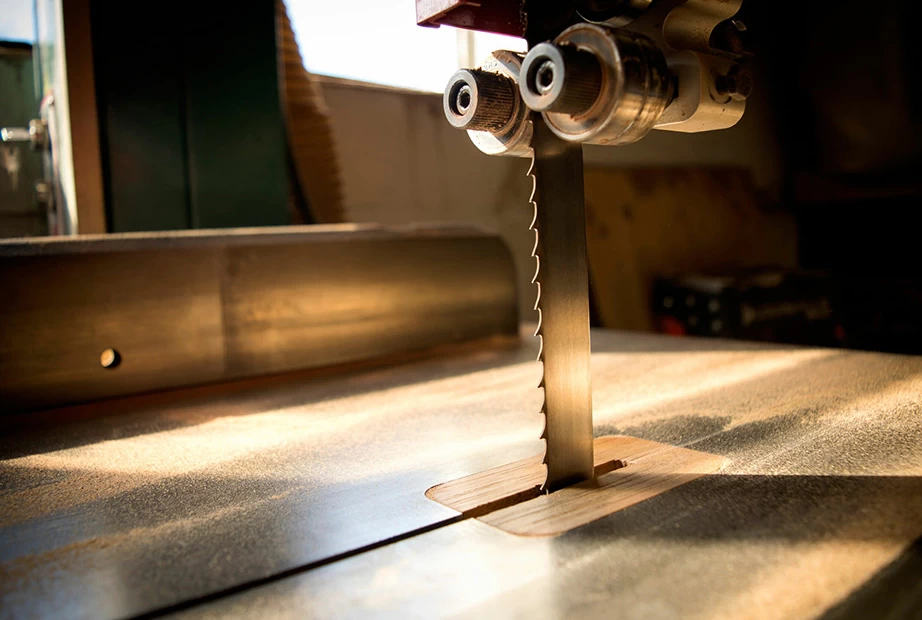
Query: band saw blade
point(562, 279)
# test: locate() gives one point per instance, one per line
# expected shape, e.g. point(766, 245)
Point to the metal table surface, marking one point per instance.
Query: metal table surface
point(180, 496)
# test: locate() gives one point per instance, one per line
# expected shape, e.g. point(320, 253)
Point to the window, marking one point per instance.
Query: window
point(17, 21)
point(378, 41)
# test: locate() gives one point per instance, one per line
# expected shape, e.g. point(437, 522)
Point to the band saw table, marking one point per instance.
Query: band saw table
point(304, 495)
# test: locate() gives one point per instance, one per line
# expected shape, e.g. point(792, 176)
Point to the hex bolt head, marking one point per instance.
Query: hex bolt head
point(737, 83)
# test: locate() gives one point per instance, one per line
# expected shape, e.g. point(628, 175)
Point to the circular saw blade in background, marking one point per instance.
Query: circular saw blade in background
point(313, 163)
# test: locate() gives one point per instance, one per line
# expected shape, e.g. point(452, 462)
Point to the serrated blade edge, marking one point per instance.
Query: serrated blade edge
point(562, 302)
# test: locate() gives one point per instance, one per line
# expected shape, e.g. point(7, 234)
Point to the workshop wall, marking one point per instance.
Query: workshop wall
point(402, 162)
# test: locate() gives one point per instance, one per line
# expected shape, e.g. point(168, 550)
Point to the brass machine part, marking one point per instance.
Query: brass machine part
point(480, 100)
point(561, 79)
point(597, 86)
point(580, 84)
point(632, 66)
point(486, 102)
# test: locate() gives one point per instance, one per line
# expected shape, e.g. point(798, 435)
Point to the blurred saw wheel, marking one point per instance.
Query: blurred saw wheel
point(315, 194)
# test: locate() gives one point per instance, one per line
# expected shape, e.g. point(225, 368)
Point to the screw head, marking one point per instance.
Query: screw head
point(43, 192)
point(110, 359)
point(463, 100)
point(38, 132)
point(544, 77)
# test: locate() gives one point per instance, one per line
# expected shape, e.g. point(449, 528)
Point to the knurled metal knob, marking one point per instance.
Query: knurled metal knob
point(479, 100)
point(560, 78)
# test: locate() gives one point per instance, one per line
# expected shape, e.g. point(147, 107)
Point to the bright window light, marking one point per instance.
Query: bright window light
point(378, 41)
point(16, 21)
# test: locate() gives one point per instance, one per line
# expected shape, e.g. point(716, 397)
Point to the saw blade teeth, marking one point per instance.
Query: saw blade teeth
point(535, 252)
point(531, 174)
point(536, 280)
point(561, 301)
